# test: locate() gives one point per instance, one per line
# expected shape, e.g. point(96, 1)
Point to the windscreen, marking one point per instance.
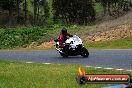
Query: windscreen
point(75, 38)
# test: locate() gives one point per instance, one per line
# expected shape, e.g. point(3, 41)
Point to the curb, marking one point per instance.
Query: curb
point(117, 69)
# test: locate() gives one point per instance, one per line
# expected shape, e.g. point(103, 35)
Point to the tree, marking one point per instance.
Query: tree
point(18, 11)
point(46, 8)
point(104, 5)
point(114, 7)
point(130, 2)
point(25, 11)
point(74, 11)
point(35, 10)
point(13, 8)
point(38, 8)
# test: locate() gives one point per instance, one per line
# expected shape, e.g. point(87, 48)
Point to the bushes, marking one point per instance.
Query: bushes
point(10, 38)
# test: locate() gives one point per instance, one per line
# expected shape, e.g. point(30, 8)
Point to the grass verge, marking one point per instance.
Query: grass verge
point(22, 75)
point(113, 44)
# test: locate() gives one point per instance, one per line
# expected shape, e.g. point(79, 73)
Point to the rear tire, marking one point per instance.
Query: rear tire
point(84, 52)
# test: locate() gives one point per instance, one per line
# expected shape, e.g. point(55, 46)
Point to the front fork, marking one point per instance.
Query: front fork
point(58, 49)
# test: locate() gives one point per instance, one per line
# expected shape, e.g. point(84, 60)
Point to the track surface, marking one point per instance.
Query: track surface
point(102, 58)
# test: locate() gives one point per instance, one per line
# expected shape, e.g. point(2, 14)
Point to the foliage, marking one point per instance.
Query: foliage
point(43, 12)
point(74, 11)
point(31, 11)
point(10, 38)
point(115, 7)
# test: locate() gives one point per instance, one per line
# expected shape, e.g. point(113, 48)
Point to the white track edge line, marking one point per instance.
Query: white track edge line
point(29, 62)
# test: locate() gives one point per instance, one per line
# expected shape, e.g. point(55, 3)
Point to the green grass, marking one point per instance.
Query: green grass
point(125, 43)
point(22, 75)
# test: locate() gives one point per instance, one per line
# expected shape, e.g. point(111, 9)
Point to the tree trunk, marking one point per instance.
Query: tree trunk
point(44, 6)
point(104, 4)
point(131, 3)
point(10, 12)
point(35, 9)
point(25, 8)
point(18, 11)
point(46, 9)
point(109, 7)
point(38, 10)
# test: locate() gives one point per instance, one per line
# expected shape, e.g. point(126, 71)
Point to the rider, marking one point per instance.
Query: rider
point(63, 37)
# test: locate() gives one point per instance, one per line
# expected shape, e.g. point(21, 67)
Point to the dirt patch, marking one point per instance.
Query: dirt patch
point(44, 45)
point(111, 29)
point(119, 32)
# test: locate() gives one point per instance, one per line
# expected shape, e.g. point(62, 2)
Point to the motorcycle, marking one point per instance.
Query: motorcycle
point(73, 47)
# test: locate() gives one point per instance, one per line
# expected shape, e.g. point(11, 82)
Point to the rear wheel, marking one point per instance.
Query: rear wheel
point(84, 52)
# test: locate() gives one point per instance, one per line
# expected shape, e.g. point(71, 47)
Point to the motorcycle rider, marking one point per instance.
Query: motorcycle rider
point(63, 37)
point(72, 46)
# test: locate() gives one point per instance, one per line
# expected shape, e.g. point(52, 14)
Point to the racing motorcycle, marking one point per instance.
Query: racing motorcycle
point(73, 47)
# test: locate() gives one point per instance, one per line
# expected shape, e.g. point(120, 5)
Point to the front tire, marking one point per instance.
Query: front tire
point(84, 52)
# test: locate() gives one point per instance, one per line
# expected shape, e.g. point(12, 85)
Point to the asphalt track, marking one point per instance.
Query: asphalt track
point(101, 58)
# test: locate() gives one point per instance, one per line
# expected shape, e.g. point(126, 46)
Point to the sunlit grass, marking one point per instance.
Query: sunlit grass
point(22, 75)
point(113, 44)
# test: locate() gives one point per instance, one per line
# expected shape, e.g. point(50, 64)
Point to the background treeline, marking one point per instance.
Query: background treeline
point(43, 12)
point(23, 12)
point(75, 11)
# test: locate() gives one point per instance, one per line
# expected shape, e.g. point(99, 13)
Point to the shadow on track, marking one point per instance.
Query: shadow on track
point(70, 57)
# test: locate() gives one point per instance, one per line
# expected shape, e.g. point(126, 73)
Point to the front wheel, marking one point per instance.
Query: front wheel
point(84, 52)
